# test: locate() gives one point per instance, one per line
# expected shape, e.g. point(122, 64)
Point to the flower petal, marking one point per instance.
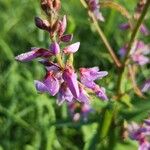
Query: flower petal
point(100, 92)
point(124, 26)
point(55, 49)
point(83, 96)
point(64, 94)
point(51, 83)
point(71, 79)
point(40, 86)
point(63, 25)
point(72, 48)
point(34, 53)
point(146, 86)
point(42, 24)
point(67, 38)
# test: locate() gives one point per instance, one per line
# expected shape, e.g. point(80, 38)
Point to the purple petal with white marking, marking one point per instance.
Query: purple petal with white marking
point(72, 48)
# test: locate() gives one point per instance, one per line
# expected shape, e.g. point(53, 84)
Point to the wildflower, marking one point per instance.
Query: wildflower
point(146, 86)
point(61, 79)
point(34, 53)
point(54, 47)
point(50, 84)
point(71, 48)
point(94, 6)
point(70, 78)
point(143, 29)
point(64, 94)
point(138, 52)
point(89, 75)
point(140, 133)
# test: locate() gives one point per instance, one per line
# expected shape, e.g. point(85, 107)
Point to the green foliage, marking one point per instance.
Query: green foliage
point(33, 121)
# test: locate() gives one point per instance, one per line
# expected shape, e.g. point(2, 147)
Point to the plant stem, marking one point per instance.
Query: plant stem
point(133, 36)
point(103, 37)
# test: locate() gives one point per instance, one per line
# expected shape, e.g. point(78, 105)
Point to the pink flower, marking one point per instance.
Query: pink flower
point(72, 48)
point(89, 75)
point(49, 84)
point(70, 78)
point(94, 7)
point(34, 53)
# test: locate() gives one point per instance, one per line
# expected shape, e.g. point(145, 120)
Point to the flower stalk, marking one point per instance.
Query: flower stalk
point(102, 36)
point(131, 42)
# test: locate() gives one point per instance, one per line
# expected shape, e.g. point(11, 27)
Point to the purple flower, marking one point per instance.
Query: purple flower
point(55, 49)
point(83, 96)
point(42, 24)
point(124, 26)
point(66, 38)
point(62, 26)
point(100, 92)
point(139, 133)
point(92, 74)
point(89, 75)
point(144, 145)
point(147, 122)
point(146, 86)
point(50, 84)
point(143, 29)
point(138, 52)
point(72, 48)
point(94, 7)
point(64, 94)
point(70, 78)
point(34, 53)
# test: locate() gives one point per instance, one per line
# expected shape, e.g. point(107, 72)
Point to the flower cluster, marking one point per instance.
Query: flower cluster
point(94, 6)
point(61, 78)
point(140, 134)
point(138, 10)
point(138, 52)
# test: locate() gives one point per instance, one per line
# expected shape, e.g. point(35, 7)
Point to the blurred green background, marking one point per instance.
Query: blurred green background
point(32, 121)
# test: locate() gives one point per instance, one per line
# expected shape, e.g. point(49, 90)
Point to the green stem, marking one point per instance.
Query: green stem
point(103, 37)
point(133, 36)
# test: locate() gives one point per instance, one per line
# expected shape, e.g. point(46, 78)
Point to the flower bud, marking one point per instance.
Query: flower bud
point(66, 38)
point(55, 48)
point(56, 5)
point(42, 24)
point(46, 4)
